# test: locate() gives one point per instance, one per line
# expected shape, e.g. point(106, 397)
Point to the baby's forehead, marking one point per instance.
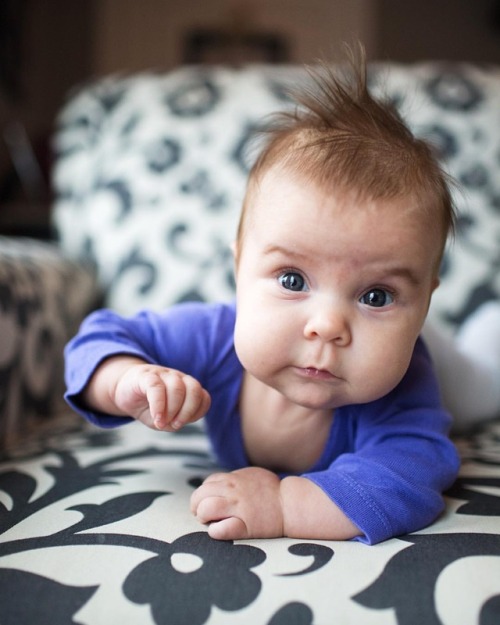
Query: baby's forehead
point(350, 197)
point(266, 190)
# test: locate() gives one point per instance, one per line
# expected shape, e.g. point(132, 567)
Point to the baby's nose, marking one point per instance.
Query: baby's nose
point(329, 323)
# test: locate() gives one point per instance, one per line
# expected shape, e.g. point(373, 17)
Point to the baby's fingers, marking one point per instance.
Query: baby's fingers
point(231, 528)
point(212, 504)
point(194, 405)
point(176, 399)
point(155, 392)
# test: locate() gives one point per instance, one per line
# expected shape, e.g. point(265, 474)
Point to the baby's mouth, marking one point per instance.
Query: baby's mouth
point(317, 374)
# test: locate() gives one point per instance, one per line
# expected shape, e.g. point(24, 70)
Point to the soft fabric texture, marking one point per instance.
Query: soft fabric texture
point(385, 464)
point(153, 168)
point(95, 528)
point(468, 365)
point(43, 298)
point(95, 525)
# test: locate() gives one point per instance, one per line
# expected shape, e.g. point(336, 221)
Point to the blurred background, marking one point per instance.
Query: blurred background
point(49, 46)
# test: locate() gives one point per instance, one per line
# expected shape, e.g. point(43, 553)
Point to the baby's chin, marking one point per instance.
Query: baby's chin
point(312, 400)
point(351, 396)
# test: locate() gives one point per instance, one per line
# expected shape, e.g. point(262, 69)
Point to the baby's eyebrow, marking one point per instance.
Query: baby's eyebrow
point(403, 272)
point(381, 270)
point(271, 249)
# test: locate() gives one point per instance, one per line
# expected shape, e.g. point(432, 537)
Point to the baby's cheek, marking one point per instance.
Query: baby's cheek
point(240, 343)
point(248, 340)
point(378, 369)
point(390, 374)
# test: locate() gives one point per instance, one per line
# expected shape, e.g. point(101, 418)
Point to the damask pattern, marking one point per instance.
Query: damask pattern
point(153, 168)
point(43, 298)
point(457, 109)
point(95, 528)
point(95, 525)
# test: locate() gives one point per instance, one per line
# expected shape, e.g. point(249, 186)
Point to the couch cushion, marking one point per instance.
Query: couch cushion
point(151, 170)
point(457, 109)
point(96, 529)
point(43, 297)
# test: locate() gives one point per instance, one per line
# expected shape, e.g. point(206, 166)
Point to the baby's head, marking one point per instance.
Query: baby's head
point(338, 249)
point(342, 139)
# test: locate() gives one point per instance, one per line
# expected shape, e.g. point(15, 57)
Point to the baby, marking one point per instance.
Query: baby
point(318, 393)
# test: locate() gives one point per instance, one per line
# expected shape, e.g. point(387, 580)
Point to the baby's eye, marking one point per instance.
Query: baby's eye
point(377, 298)
point(292, 281)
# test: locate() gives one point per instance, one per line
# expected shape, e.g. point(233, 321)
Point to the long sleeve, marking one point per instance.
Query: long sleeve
point(193, 338)
point(390, 478)
point(386, 463)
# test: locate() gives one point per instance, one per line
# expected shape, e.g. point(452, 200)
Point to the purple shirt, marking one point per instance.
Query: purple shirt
point(385, 463)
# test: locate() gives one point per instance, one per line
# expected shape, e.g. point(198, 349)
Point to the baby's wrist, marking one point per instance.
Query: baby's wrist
point(290, 510)
point(101, 391)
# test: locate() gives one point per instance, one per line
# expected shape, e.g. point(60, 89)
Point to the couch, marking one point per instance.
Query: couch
point(95, 525)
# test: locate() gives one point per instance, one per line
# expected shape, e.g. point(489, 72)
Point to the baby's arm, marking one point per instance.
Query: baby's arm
point(255, 503)
point(162, 398)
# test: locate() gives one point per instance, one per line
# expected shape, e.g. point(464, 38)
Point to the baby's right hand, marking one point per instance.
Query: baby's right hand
point(162, 398)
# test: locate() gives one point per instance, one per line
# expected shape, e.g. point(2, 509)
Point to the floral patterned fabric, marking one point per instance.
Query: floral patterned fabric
point(95, 528)
point(43, 298)
point(95, 525)
point(152, 168)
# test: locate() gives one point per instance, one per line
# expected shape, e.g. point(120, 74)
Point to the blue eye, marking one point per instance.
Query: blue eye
point(377, 298)
point(292, 281)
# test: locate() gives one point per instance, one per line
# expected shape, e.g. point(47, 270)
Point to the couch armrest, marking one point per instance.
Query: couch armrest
point(43, 297)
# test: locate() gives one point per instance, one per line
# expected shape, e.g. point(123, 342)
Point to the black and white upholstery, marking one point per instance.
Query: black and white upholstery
point(95, 526)
point(151, 173)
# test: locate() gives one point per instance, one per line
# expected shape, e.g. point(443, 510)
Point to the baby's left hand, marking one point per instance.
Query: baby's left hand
point(241, 504)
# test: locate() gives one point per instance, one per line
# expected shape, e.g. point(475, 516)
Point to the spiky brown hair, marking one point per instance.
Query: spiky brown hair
point(342, 138)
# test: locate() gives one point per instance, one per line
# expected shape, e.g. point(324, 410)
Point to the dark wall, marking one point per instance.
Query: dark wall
point(460, 30)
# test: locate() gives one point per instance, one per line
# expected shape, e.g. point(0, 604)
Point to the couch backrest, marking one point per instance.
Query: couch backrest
point(151, 171)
